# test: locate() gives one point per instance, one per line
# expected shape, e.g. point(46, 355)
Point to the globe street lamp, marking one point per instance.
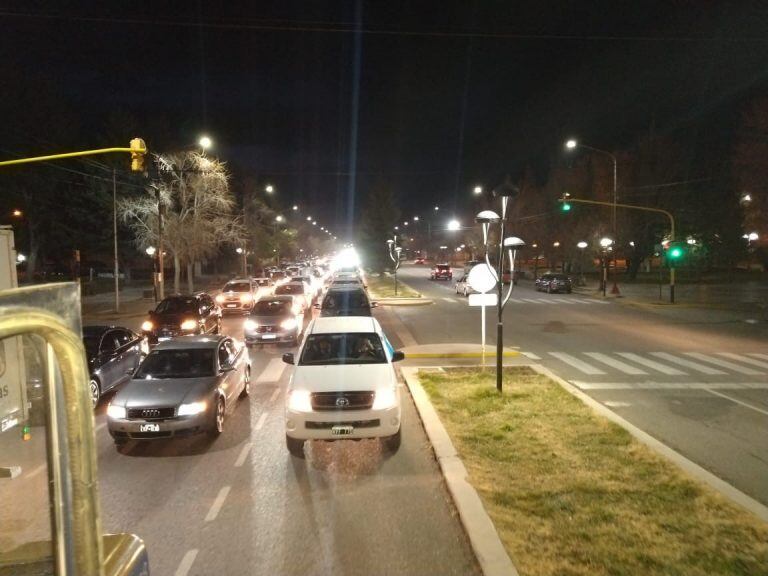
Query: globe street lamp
point(581, 246)
point(454, 225)
point(205, 143)
point(269, 189)
point(477, 190)
point(605, 243)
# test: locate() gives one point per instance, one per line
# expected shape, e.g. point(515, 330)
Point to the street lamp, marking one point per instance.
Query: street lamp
point(205, 143)
point(279, 218)
point(150, 251)
point(605, 243)
point(17, 213)
point(454, 225)
point(295, 208)
point(581, 246)
point(394, 255)
point(415, 218)
point(309, 218)
point(477, 190)
point(437, 208)
point(20, 258)
point(269, 189)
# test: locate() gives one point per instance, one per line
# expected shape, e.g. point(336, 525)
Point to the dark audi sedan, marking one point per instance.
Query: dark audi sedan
point(553, 283)
point(277, 319)
point(182, 316)
point(184, 386)
point(113, 355)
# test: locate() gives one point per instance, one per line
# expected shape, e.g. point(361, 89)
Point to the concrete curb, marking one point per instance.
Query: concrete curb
point(730, 492)
point(489, 355)
point(483, 537)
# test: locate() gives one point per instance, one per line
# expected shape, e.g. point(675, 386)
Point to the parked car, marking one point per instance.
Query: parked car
point(184, 386)
point(274, 320)
point(182, 316)
point(462, 287)
point(343, 385)
point(113, 354)
point(237, 296)
point(441, 272)
point(551, 282)
point(346, 301)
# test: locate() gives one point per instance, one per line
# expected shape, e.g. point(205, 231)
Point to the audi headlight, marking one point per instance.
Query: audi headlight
point(250, 325)
point(147, 326)
point(300, 401)
point(385, 398)
point(191, 409)
point(115, 411)
point(189, 325)
point(289, 324)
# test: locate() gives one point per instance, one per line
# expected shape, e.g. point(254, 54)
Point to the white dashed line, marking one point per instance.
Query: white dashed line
point(217, 504)
point(262, 419)
point(274, 396)
point(741, 403)
point(243, 455)
point(186, 563)
point(451, 300)
point(531, 356)
point(576, 363)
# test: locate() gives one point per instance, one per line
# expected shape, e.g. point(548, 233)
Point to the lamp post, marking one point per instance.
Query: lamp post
point(394, 255)
point(581, 246)
point(572, 144)
point(150, 250)
point(605, 243)
point(486, 218)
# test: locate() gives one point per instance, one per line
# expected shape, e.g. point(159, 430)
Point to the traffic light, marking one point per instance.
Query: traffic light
point(565, 205)
point(138, 152)
point(675, 251)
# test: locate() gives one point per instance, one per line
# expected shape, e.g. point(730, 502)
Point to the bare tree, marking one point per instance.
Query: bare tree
point(198, 211)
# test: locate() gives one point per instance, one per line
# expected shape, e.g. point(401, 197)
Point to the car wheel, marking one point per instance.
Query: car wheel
point(246, 384)
point(392, 443)
point(295, 447)
point(217, 427)
point(95, 390)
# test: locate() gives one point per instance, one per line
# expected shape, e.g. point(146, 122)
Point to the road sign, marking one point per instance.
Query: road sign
point(481, 278)
point(483, 299)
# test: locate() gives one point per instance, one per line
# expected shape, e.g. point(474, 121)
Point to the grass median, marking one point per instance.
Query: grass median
point(384, 287)
point(573, 493)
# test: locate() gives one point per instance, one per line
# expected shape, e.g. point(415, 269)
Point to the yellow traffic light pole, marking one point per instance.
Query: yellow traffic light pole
point(644, 209)
point(137, 150)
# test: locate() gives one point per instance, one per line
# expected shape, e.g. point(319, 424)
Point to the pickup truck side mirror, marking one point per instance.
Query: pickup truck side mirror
point(288, 358)
point(374, 304)
point(397, 355)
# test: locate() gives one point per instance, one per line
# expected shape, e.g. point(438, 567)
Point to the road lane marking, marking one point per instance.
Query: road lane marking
point(618, 364)
point(593, 301)
point(217, 504)
point(451, 300)
point(737, 401)
point(763, 356)
point(562, 300)
point(576, 363)
point(274, 396)
point(531, 300)
point(670, 385)
point(516, 300)
point(744, 359)
point(531, 355)
point(724, 364)
point(186, 563)
point(616, 404)
point(272, 372)
point(648, 363)
point(546, 301)
point(262, 419)
point(688, 364)
point(243, 455)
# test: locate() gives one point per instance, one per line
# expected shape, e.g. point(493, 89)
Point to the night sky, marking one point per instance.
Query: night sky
point(450, 93)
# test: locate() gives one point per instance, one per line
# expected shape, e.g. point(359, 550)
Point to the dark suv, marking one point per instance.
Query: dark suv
point(553, 283)
point(441, 272)
point(350, 301)
point(181, 316)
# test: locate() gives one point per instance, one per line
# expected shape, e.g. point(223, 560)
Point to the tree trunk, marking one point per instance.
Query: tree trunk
point(190, 277)
point(176, 273)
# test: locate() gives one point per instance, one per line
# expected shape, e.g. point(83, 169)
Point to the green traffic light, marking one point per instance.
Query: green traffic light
point(676, 253)
point(566, 207)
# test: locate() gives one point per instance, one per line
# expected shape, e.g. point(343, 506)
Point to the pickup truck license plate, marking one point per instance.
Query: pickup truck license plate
point(149, 428)
point(342, 430)
point(269, 336)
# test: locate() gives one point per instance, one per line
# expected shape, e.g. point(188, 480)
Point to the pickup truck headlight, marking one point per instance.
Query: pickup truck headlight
point(385, 398)
point(300, 401)
point(191, 409)
point(189, 325)
point(250, 325)
point(220, 298)
point(115, 411)
point(289, 324)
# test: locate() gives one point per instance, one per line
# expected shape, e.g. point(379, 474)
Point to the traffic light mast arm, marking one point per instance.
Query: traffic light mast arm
point(630, 207)
point(136, 148)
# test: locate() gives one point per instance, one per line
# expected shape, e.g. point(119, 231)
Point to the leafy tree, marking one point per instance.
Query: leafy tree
point(380, 215)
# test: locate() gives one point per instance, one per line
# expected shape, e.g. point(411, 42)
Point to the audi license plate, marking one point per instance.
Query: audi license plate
point(149, 428)
point(269, 336)
point(342, 430)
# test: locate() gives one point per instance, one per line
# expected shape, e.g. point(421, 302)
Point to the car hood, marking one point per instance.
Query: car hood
point(171, 319)
point(269, 320)
point(337, 378)
point(164, 392)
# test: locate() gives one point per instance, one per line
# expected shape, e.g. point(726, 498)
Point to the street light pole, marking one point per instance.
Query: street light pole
point(114, 235)
point(394, 255)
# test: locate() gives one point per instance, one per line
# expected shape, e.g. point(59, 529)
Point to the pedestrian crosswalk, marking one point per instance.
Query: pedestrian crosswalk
point(651, 364)
point(550, 300)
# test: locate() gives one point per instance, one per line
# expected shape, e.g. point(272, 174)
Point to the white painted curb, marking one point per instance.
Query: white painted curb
point(730, 492)
point(483, 537)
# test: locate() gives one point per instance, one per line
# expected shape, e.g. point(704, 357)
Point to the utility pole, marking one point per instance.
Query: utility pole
point(160, 263)
point(114, 234)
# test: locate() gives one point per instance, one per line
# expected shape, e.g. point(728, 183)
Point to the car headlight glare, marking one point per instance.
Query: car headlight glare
point(246, 298)
point(147, 326)
point(250, 325)
point(191, 409)
point(385, 398)
point(189, 325)
point(288, 324)
point(300, 401)
point(114, 411)
point(220, 298)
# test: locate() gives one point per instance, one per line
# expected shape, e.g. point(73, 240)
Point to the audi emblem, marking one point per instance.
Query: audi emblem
point(342, 402)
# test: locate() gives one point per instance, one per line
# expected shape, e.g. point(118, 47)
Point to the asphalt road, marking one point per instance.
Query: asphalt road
point(242, 505)
point(694, 380)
